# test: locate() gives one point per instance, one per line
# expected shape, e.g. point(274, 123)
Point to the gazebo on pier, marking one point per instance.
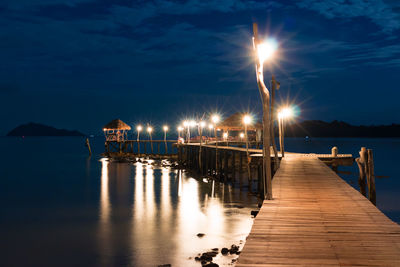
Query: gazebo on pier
point(234, 125)
point(116, 131)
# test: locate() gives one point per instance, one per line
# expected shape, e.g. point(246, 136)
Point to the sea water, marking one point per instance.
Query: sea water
point(60, 207)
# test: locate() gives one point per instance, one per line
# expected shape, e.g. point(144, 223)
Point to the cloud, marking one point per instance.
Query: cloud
point(378, 11)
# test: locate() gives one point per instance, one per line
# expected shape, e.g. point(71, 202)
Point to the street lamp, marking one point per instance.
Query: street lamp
point(186, 124)
point(138, 129)
point(241, 135)
point(201, 125)
point(149, 130)
point(263, 52)
point(180, 128)
point(215, 119)
point(247, 120)
point(282, 115)
point(165, 128)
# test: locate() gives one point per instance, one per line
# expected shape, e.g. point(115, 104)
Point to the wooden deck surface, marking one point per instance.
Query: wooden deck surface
point(317, 219)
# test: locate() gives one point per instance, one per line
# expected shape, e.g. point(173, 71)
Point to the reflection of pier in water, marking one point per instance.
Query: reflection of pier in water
point(152, 214)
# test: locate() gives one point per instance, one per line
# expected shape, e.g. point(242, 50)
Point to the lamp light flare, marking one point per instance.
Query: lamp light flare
point(185, 123)
point(149, 129)
point(225, 135)
point(215, 118)
point(139, 128)
point(285, 113)
point(247, 119)
point(202, 124)
point(192, 123)
point(266, 50)
point(210, 126)
point(180, 128)
point(165, 128)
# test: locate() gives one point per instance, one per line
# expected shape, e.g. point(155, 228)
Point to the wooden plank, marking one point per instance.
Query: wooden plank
point(317, 219)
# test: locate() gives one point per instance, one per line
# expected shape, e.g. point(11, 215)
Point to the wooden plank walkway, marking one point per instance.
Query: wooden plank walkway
point(317, 219)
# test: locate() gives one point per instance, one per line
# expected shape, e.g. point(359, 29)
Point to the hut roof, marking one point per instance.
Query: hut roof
point(117, 124)
point(235, 123)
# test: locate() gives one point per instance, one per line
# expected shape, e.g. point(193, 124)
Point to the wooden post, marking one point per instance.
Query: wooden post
point(274, 86)
point(264, 93)
point(88, 146)
point(334, 151)
point(371, 177)
point(233, 166)
point(240, 169)
point(226, 168)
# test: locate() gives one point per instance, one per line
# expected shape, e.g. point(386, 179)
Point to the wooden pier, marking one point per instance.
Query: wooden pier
point(317, 219)
point(232, 164)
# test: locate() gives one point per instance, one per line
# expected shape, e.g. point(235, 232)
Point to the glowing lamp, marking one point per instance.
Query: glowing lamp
point(285, 113)
point(266, 50)
point(165, 128)
point(215, 119)
point(247, 119)
point(139, 128)
point(149, 129)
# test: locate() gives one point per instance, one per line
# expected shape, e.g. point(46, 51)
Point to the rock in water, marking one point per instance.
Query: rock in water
point(224, 251)
point(200, 235)
point(211, 264)
point(254, 213)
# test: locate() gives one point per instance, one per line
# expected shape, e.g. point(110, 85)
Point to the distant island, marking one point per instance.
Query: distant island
point(37, 129)
point(316, 128)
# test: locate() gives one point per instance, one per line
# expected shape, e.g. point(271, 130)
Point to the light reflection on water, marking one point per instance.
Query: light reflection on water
point(168, 209)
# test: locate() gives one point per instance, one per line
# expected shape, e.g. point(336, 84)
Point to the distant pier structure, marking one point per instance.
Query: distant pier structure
point(117, 143)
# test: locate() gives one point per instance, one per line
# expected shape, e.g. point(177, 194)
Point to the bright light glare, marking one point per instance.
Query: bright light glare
point(149, 129)
point(285, 113)
point(165, 128)
point(215, 119)
point(202, 124)
point(139, 128)
point(210, 126)
point(180, 128)
point(186, 123)
point(247, 119)
point(266, 50)
point(225, 135)
point(241, 135)
point(192, 123)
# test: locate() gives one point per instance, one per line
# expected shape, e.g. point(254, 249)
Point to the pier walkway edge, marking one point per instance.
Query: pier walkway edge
point(317, 219)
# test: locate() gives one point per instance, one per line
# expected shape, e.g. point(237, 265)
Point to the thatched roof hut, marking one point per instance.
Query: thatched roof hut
point(116, 124)
point(235, 123)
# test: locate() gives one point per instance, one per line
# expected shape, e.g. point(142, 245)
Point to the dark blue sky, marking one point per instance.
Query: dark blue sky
point(80, 63)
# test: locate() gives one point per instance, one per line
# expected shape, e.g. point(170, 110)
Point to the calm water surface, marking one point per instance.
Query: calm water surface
point(61, 208)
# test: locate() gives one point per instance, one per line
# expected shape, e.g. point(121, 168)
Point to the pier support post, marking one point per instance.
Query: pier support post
point(88, 146)
point(371, 177)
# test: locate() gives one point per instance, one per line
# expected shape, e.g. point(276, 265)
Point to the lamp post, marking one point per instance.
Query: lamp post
point(264, 51)
point(201, 126)
point(186, 124)
point(215, 119)
point(180, 128)
point(149, 130)
point(138, 129)
point(247, 120)
point(282, 115)
point(165, 128)
point(274, 86)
